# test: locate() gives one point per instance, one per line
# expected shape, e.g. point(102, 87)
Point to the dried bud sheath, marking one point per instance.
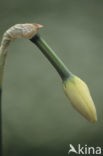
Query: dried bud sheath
point(17, 31)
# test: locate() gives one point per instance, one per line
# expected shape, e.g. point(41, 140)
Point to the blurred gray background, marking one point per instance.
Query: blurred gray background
point(37, 118)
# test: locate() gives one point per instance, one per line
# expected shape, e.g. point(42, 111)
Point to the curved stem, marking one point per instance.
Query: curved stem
point(17, 31)
point(52, 57)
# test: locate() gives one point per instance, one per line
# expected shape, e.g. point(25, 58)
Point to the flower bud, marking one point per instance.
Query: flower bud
point(78, 93)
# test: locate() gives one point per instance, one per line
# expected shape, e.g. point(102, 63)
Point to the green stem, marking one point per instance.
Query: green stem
point(52, 57)
point(0, 124)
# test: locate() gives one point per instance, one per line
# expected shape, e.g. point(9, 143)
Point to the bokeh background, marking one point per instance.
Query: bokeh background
point(37, 117)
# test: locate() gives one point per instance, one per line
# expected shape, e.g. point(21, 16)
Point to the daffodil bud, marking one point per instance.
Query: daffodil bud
point(78, 93)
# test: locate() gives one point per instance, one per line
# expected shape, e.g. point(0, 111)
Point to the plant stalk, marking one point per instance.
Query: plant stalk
point(52, 57)
point(0, 123)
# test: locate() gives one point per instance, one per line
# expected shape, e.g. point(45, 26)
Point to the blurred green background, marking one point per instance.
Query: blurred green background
point(37, 118)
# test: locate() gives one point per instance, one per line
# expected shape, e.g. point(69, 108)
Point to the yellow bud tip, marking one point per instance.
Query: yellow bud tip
point(78, 93)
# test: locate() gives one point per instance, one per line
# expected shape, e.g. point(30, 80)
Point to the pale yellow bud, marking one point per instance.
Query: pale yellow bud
point(79, 96)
